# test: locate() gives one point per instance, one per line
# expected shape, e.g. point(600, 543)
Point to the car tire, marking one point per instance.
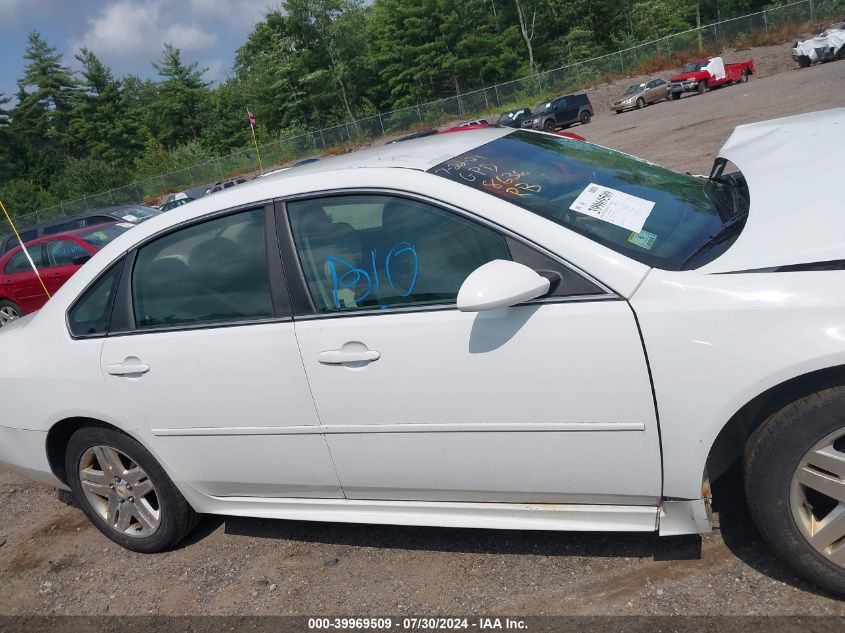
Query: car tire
point(640, 103)
point(782, 471)
point(803, 61)
point(9, 311)
point(702, 87)
point(153, 522)
point(549, 125)
point(745, 76)
point(584, 117)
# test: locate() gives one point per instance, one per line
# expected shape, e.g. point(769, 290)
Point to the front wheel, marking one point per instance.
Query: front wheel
point(640, 103)
point(702, 87)
point(9, 311)
point(795, 484)
point(549, 126)
point(585, 117)
point(125, 492)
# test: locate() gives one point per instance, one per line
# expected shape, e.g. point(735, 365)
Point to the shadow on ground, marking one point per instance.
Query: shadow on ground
point(742, 538)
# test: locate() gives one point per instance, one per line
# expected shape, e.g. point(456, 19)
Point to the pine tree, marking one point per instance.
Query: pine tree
point(183, 99)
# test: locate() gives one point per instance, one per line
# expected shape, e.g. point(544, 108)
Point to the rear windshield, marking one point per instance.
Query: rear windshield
point(648, 213)
point(101, 235)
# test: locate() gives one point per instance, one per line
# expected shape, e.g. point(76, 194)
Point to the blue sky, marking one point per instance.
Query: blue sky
point(128, 34)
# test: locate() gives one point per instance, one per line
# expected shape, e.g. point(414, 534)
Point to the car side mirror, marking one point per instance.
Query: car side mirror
point(78, 261)
point(500, 284)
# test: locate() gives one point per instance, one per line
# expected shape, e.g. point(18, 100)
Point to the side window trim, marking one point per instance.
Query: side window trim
point(123, 315)
point(303, 306)
point(121, 262)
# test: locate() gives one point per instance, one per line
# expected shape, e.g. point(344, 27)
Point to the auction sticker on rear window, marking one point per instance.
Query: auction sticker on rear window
point(613, 206)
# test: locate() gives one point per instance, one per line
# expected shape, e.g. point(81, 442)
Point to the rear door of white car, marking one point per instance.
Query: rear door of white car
point(545, 402)
point(203, 358)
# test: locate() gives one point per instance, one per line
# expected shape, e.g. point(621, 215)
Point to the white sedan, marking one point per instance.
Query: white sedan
point(493, 328)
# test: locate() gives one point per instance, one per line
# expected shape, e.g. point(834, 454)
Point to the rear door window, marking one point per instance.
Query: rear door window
point(206, 273)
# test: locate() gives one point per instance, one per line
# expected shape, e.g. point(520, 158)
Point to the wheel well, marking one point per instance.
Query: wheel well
point(730, 443)
point(58, 437)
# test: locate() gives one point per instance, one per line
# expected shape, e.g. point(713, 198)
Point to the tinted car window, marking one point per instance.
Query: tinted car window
point(26, 236)
point(20, 264)
point(91, 313)
point(203, 274)
point(379, 252)
point(104, 234)
point(71, 225)
point(64, 252)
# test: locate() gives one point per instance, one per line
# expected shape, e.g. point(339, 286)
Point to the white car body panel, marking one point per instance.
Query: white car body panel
point(793, 167)
point(470, 407)
point(243, 387)
point(713, 342)
point(733, 337)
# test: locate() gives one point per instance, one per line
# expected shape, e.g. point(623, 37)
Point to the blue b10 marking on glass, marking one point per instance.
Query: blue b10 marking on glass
point(406, 247)
point(353, 276)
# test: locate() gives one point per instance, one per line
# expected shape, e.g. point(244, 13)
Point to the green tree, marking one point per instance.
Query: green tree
point(183, 99)
point(100, 121)
point(40, 120)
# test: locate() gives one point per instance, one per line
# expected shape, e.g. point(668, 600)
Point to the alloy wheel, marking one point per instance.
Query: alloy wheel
point(817, 497)
point(119, 491)
point(8, 314)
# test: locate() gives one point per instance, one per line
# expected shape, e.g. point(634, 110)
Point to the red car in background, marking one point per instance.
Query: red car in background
point(57, 257)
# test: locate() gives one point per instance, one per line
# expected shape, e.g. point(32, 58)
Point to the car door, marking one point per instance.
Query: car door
point(62, 261)
point(656, 90)
point(20, 283)
point(544, 402)
point(205, 361)
point(561, 110)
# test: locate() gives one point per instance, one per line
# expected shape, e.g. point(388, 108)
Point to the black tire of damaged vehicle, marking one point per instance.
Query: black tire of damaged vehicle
point(772, 454)
point(549, 125)
point(640, 103)
point(585, 117)
point(12, 307)
point(177, 517)
point(702, 87)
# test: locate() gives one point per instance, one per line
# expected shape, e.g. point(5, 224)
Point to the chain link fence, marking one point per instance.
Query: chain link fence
point(666, 51)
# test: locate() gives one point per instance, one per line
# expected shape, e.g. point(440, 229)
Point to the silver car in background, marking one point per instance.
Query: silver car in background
point(640, 95)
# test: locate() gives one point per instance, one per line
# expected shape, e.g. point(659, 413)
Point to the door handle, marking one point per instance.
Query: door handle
point(339, 357)
point(129, 367)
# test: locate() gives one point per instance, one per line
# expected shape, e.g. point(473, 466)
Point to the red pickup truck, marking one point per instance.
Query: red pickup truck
point(701, 74)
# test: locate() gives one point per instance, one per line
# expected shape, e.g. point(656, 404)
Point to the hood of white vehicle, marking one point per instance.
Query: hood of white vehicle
point(795, 169)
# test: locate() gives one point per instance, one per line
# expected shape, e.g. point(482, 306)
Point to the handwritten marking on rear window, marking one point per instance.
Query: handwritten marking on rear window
point(509, 182)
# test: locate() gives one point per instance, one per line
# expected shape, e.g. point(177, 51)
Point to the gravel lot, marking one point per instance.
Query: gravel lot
point(52, 561)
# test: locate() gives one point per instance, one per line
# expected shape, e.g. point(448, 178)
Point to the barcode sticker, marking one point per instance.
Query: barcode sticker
point(613, 206)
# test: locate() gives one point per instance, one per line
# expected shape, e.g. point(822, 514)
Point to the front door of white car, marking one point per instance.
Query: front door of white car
point(545, 402)
point(209, 368)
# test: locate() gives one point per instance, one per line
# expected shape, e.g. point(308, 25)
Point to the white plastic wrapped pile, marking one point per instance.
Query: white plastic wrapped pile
point(824, 47)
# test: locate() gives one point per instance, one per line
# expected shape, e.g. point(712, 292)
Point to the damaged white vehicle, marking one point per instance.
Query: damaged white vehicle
point(826, 47)
point(491, 329)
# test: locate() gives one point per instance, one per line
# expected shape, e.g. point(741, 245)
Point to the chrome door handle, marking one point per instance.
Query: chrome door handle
point(129, 367)
point(338, 357)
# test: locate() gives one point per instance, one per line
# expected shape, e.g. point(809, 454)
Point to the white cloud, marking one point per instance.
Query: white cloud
point(218, 70)
point(241, 14)
point(131, 30)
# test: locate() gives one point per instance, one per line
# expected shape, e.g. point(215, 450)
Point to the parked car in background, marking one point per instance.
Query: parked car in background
point(474, 124)
point(640, 95)
point(703, 74)
point(133, 213)
point(514, 118)
point(172, 204)
point(57, 258)
point(561, 112)
point(825, 47)
point(224, 184)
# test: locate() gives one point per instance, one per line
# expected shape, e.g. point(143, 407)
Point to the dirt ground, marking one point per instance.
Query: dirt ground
point(52, 561)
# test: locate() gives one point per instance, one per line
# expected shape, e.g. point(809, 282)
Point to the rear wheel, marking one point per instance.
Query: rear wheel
point(125, 492)
point(640, 103)
point(795, 484)
point(9, 311)
point(745, 75)
point(584, 117)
